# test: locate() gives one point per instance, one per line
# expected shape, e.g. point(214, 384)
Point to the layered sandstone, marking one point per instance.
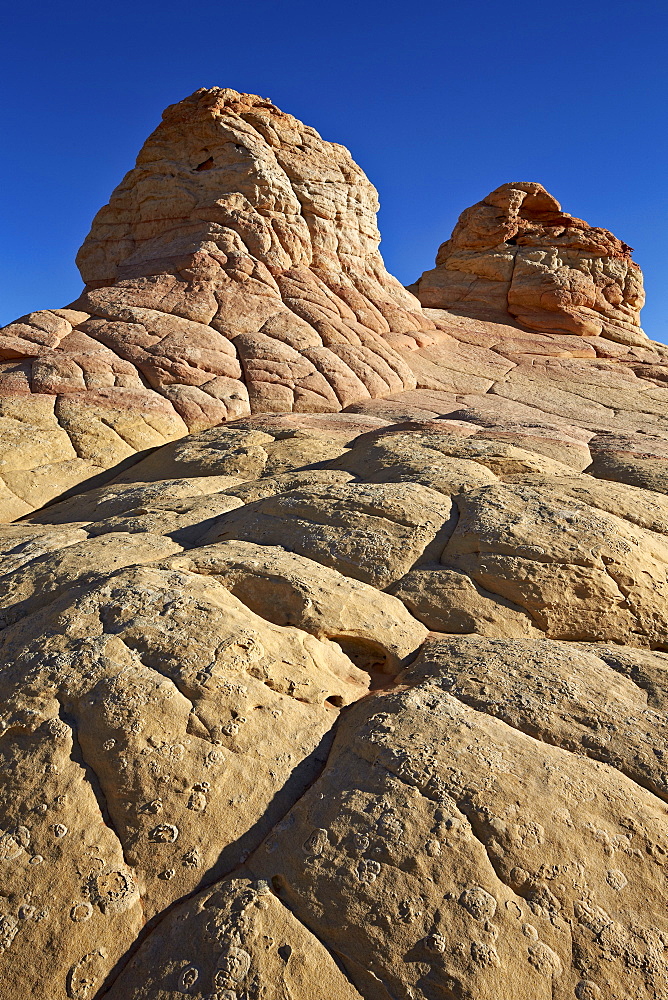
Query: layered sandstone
point(236, 271)
point(318, 704)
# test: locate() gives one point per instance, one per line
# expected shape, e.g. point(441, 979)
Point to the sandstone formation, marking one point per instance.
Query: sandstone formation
point(236, 271)
point(516, 253)
point(333, 629)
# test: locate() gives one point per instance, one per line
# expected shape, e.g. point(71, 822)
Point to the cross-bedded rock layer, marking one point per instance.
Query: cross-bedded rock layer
point(236, 270)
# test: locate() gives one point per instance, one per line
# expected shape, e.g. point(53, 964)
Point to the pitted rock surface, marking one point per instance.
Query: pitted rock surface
point(474, 860)
point(363, 698)
point(237, 935)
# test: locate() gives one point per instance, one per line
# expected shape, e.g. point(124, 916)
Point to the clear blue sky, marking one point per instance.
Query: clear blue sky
point(440, 102)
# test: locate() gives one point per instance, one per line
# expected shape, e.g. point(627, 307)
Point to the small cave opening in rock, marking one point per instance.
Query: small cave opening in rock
point(369, 657)
point(511, 242)
point(205, 165)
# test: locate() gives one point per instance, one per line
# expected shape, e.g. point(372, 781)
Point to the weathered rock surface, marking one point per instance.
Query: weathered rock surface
point(371, 532)
point(580, 573)
point(445, 853)
point(592, 704)
point(236, 271)
point(237, 936)
point(516, 253)
point(446, 600)
point(196, 724)
point(374, 629)
point(365, 698)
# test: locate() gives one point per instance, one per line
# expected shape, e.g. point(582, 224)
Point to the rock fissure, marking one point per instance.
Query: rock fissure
point(338, 958)
point(576, 749)
point(152, 927)
point(92, 777)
